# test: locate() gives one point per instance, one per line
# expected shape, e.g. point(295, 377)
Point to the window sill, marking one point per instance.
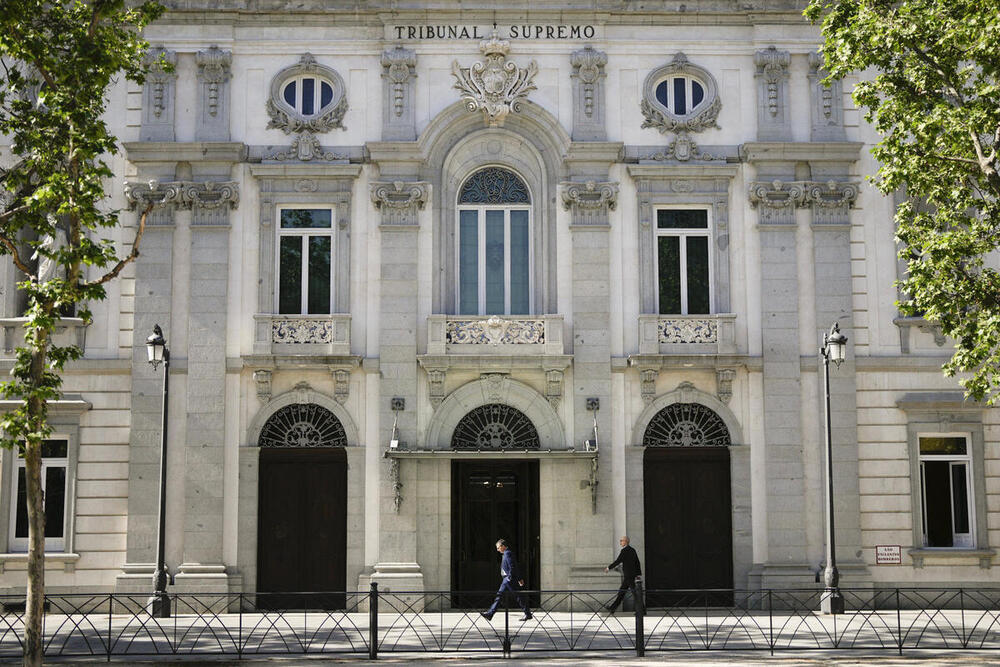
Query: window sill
point(949, 556)
point(68, 560)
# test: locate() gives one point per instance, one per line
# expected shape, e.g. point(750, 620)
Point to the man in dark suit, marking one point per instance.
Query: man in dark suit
point(511, 581)
point(629, 560)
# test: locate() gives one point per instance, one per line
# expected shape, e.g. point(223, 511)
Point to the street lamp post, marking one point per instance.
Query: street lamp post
point(834, 349)
point(159, 601)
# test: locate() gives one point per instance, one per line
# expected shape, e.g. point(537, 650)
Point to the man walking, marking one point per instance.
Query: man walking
point(511, 581)
point(629, 560)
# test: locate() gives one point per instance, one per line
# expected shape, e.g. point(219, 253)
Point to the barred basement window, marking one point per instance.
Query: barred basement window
point(495, 427)
point(303, 425)
point(686, 425)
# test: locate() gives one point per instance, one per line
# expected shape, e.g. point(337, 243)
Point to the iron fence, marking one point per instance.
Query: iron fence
point(242, 625)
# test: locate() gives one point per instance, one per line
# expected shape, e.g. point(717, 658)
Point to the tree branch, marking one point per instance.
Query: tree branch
point(122, 263)
point(15, 254)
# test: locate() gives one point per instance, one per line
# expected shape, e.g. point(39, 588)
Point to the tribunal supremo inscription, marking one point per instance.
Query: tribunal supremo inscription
point(527, 31)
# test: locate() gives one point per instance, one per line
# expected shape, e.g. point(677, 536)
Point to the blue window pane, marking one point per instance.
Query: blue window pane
point(669, 260)
point(697, 94)
point(290, 275)
point(661, 93)
point(680, 97)
point(468, 263)
point(290, 94)
point(308, 96)
point(306, 218)
point(519, 264)
point(319, 274)
point(697, 275)
point(495, 263)
point(325, 94)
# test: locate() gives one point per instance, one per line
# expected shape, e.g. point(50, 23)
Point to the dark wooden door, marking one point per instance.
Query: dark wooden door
point(491, 500)
point(302, 527)
point(688, 519)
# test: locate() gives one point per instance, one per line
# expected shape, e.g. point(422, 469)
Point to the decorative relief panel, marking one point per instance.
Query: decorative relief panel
point(681, 149)
point(724, 380)
point(399, 201)
point(773, 117)
point(589, 202)
point(213, 98)
point(262, 378)
point(588, 94)
point(494, 86)
point(211, 201)
point(158, 96)
point(698, 118)
point(827, 103)
point(777, 201)
point(297, 331)
point(687, 330)
point(306, 148)
point(495, 331)
point(398, 72)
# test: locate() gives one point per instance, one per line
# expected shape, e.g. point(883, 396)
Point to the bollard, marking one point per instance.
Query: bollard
point(640, 612)
point(373, 622)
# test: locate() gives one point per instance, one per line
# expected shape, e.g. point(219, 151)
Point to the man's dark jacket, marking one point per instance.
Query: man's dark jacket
point(629, 560)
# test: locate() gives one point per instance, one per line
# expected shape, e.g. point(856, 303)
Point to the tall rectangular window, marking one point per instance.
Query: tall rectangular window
point(305, 261)
point(494, 261)
point(55, 462)
point(684, 262)
point(945, 485)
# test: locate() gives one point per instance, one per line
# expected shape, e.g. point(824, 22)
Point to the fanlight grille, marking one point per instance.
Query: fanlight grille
point(495, 427)
point(686, 425)
point(303, 425)
point(494, 185)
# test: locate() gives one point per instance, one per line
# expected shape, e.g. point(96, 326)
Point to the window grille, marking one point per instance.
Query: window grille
point(494, 185)
point(686, 425)
point(495, 427)
point(303, 425)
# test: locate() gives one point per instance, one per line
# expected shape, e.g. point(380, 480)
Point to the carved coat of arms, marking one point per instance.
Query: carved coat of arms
point(494, 85)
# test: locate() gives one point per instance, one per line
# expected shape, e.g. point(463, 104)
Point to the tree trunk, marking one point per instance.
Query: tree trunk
point(34, 607)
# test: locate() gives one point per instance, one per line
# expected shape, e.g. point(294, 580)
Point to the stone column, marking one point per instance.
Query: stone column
point(787, 540)
point(398, 202)
point(204, 455)
point(589, 204)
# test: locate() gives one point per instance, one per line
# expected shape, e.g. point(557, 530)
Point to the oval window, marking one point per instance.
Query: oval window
point(308, 95)
point(680, 94)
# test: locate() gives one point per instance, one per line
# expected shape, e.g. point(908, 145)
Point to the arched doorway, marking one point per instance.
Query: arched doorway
point(493, 498)
point(302, 509)
point(687, 505)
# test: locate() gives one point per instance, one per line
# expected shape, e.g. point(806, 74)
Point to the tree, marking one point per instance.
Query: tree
point(58, 59)
point(930, 87)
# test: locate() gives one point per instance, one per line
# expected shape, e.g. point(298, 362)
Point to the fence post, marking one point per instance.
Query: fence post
point(506, 626)
point(111, 608)
point(373, 621)
point(770, 618)
point(640, 612)
point(899, 625)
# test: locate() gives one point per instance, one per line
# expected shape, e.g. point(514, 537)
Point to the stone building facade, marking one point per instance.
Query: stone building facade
point(430, 277)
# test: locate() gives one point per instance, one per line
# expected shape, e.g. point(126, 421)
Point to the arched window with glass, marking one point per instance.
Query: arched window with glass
point(494, 244)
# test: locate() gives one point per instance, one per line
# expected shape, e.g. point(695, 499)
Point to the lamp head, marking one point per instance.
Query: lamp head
point(836, 344)
point(155, 346)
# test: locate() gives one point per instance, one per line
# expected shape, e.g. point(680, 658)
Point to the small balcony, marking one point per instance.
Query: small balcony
point(513, 335)
point(69, 331)
point(328, 335)
point(687, 334)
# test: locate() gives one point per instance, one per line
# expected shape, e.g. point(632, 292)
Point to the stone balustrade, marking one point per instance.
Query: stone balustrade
point(303, 334)
point(69, 331)
point(687, 334)
point(495, 334)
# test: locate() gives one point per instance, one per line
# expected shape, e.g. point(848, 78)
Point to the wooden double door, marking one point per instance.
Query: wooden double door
point(492, 499)
point(689, 526)
point(302, 528)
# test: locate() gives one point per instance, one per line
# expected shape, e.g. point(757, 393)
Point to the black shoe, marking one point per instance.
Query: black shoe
point(526, 617)
point(487, 615)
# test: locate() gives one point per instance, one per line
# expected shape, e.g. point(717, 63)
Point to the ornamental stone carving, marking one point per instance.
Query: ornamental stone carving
point(158, 96)
point(494, 86)
point(647, 384)
point(292, 331)
point(495, 331)
point(288, 118)
point(827, 103)
point(831, 202)
point(590, 201)
point(724, 380)
point(398, 72)
point(687, 330)
point(262, 378)
point(211, 201)
point(142, 194)
point(399, 201)
point(682, 149)
point(776, 201)
point(553, 387)
point(588, 94)
point(435, 385)
point(773, 117)
point(700, 118)
point(341, 385)
point(306, 148)
point(213, 98)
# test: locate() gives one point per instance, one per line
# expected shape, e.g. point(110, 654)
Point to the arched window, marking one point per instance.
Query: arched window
point(495, 427)
point(494, 244)
point(303, 425)
point(686, 425)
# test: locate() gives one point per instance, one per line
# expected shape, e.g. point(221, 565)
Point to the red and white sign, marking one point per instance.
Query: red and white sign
point(888, 554)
